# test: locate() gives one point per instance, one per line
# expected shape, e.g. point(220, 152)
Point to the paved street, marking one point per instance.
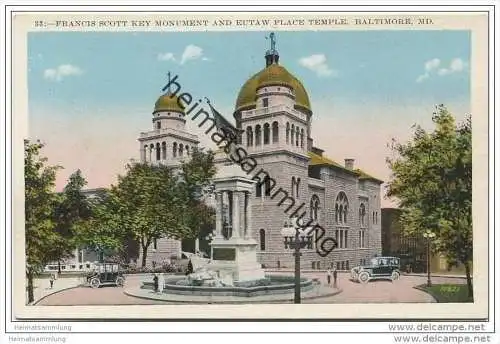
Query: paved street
point(401, 291)
point(42, 285)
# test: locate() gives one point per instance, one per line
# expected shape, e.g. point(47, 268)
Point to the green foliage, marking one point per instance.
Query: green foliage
point(39, 203)
point(448, 292)
point(70, 212)
point(101, 231)
point(195, 184)
point(432, 179)
point(150, 202)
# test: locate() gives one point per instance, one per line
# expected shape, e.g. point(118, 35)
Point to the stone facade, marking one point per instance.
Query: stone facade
point(276, 128)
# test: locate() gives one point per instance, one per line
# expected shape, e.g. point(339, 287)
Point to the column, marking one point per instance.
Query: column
point(142, 153)
point(248, 213)
point(218, 213)
point(236, 215)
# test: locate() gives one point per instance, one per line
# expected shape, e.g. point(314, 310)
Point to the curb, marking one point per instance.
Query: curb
point(427, 292)
point(440, 276)
point(34, 303)
point(242, 301)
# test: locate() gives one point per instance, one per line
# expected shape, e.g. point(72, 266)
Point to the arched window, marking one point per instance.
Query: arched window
point(287, 132)
point(258, 190)
point(297, 136)
point(262, 239)
point(362, 215)
point(181, 149)
point(164, 150)
point(275, 132)
point(341, 208)
point(158, 151)
point(174, 149)
point(314, 207)
point(187, 150)
point(267, 186)
point(302, 138)
point(158, 125)
point(258, 134)
point(292, 133)
point(266, 133)
point(249, 137)
point(297, 185)
point(293, 186)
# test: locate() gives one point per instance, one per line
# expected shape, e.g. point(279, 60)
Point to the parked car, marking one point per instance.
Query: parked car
point(106, 274)
point(379, 268)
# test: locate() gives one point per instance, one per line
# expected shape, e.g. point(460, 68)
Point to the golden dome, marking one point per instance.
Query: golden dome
point(168, 102)
point(273, 74)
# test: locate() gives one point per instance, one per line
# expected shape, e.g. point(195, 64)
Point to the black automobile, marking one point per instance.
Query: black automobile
point(379, 268)
point(106, 274)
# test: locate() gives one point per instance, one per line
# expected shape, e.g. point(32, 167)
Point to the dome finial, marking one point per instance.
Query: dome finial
point(273, 41)
point(272, 55)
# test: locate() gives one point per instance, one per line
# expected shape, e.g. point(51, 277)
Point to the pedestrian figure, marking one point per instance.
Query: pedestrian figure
point(189, 269)
point(52, 279)
point(329, 276)
point(155, 282)
point(161, 282)
point(334, 277)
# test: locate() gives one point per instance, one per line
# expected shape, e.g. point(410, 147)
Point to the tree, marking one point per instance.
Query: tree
point(148, 204)
point(40, 200)
point(195, 185)
point(101, 231)
point(70, 212)
point(432, 179)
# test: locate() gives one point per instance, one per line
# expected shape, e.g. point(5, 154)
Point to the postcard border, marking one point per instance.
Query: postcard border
point(491, 108)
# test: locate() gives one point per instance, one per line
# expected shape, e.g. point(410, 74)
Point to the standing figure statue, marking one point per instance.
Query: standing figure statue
point(273, 41)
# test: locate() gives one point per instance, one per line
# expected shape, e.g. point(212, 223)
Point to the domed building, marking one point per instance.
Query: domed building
point(274, 113)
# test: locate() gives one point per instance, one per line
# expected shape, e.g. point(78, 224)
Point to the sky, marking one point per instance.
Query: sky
point(90, 94)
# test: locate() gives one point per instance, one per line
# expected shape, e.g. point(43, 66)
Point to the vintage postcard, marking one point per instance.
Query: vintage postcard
point(250, 165)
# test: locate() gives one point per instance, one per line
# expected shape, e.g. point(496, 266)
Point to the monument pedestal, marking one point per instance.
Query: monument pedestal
point(236, 259)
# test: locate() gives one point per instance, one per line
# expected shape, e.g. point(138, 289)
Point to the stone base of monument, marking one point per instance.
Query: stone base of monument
point(235, 260)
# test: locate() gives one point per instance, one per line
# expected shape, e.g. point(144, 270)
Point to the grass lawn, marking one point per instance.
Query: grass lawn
point(447, 292)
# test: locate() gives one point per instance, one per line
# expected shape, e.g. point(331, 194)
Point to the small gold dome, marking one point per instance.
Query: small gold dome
point(168, 102)
point(273, 74)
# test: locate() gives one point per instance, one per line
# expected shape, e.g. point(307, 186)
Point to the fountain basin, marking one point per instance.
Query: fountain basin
point(271, 285)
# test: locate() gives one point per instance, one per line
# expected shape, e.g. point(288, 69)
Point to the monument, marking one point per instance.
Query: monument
point(233, 249)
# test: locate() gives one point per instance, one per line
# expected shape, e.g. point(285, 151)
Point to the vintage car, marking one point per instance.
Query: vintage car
point(106, 274)
point(379, 268)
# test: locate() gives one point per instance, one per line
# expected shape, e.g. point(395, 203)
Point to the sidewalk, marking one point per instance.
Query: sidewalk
point(42, 287)
point(434, 275)
point(292, 271)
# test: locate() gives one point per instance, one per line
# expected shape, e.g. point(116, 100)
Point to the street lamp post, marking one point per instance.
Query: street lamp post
point(296, 238)
point(429, 236)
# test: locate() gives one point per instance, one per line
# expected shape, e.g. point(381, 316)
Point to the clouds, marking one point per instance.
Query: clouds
point(166, 57)
point(61, 72)
point(318, 64)
point(191, 53)
point(456, 66)
point(431, 67)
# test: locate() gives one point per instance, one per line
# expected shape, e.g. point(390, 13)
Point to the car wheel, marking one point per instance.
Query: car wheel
point(364, 277)
point(395, 276)
point(120, 281)
point(94, 283)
